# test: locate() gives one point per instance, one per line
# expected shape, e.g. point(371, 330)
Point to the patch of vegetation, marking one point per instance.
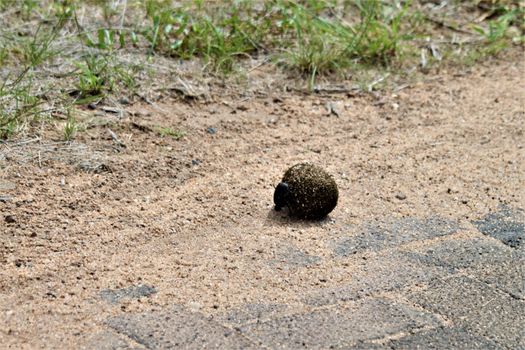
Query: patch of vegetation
point(70, 128)
point(98, 76)
point(174, 134)
point(326, 46)
point(55, 55)
point(496, 33)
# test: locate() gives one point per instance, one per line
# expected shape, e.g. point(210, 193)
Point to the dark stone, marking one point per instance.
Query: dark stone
point(10, 219)
point(211, 130)
point(376, 236)
point(478, 308)
point(401, 196)
point(177, 328)
point(340, 327)
point(116, 295)
point(507, 225)
point(124, 100)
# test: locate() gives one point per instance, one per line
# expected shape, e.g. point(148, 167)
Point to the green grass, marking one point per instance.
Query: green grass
point(326, 46)
point(70, 128)
point(58, 55)
point(167, 131)
point(98, 76)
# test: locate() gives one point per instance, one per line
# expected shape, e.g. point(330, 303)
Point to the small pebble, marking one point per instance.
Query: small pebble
point(401, 196)
point(242, 108)
point(124, 101)
point(10, 219)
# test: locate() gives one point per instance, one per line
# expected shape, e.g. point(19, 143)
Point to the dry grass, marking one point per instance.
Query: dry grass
point(58, 56)
point(38, 151)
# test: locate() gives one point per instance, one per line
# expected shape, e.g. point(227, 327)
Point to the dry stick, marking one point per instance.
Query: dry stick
point(377, 81)
point(115, 138)
point(263, 62)
point(21, 143)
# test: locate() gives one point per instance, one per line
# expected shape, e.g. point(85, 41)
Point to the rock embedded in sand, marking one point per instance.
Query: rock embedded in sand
point(10, 219)
point(308, 192)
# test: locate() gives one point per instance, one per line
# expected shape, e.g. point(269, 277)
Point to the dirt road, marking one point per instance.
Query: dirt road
point(155, 242)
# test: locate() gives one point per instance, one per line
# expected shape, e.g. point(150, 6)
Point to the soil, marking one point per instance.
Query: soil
point(194, 217)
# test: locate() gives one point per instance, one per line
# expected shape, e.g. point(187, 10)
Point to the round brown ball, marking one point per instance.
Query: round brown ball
point(308, 192)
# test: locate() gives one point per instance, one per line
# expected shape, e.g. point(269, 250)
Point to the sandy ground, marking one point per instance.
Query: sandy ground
point(193, 217)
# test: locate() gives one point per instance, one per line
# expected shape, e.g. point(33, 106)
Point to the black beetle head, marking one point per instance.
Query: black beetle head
point(280, 196)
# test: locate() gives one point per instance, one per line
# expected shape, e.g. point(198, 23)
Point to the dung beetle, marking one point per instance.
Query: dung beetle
point(280, 196)
point(308, 192)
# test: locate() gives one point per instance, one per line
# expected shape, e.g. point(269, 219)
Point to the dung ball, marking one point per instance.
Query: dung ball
point(308, 192)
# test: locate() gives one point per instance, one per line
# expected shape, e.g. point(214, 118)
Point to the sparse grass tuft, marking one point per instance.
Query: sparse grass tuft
point(70, 128)
point(496, 34)
point(170, 132)
point(99, 75)
point(498, 29)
